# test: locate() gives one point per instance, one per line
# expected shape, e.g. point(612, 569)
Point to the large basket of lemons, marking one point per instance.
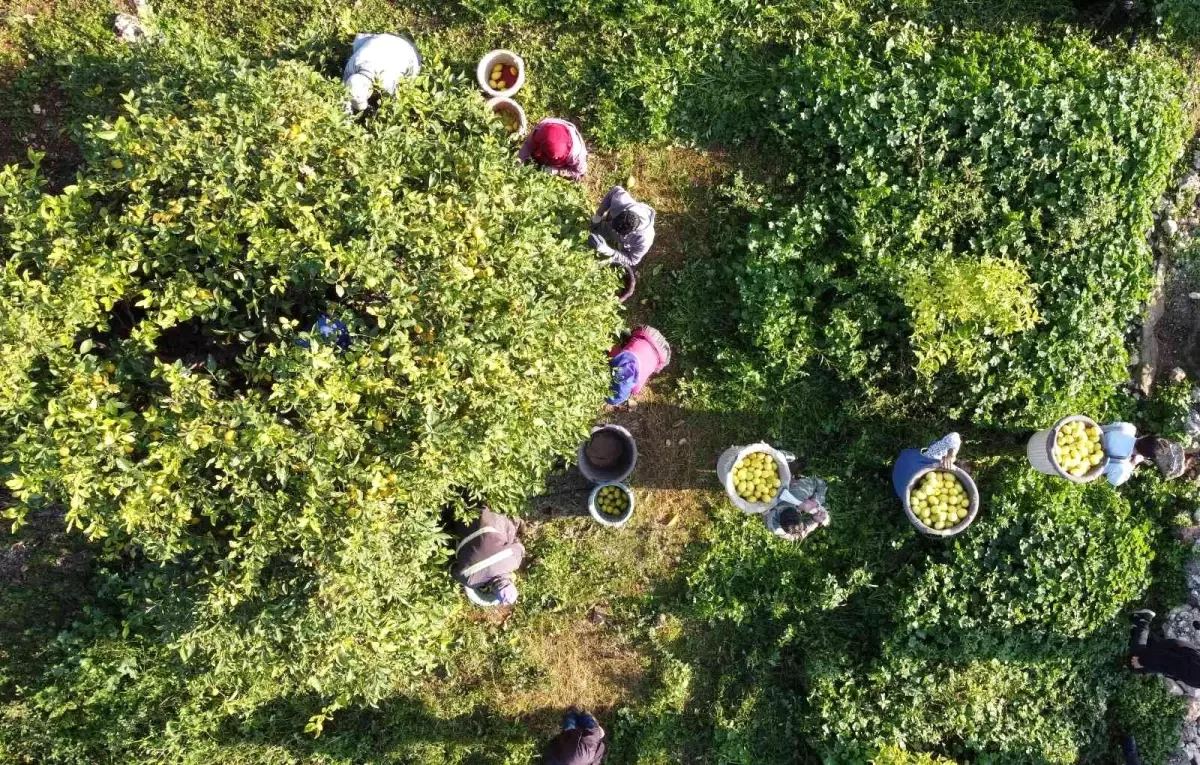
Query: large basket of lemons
point(1072, 449)
point(941, 500)
point(754, 476)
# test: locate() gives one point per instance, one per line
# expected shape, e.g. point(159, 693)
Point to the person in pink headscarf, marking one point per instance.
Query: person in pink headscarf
point(644, 355)
point(556, 146)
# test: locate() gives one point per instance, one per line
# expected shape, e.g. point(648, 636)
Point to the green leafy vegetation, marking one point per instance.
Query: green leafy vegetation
point(164, 382)
point(924, 228)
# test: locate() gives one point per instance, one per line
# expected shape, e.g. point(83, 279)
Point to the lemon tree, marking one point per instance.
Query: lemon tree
point(264, 343)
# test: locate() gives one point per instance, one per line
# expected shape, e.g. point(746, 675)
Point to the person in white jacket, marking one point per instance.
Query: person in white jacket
point(381, 57)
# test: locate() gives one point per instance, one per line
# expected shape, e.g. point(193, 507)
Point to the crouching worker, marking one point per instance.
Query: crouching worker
point(623, 228)
point(795, 522)
point(485, 559)
point(580, 743)
point(644, 355)
point(1173, 659)
point(385, 58)
point(556, 146)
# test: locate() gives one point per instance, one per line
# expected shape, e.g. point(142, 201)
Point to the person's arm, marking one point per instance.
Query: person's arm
point(527, 147)
point(605, 204)
point(601, 246)
point(634, 247)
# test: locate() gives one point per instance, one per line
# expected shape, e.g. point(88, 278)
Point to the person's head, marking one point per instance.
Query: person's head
point(1167, 455)
point(360, 87)
point(551, 144)
point(626, 222)
point(1146, 447)
point(790, 520)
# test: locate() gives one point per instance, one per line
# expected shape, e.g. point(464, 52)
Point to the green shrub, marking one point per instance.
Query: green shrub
point(153, 378)
point(909, 151)
point(961, 304)
point(1001, 712)
point(1141, 707)
point(1053, 564)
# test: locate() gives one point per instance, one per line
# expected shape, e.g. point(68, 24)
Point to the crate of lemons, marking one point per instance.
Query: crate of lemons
point(1079, 448)
point(756, 478)
point(611, 504)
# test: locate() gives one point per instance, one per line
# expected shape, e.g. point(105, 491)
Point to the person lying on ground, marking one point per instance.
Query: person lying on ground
point(487, 556)
point(556, 146)
point(384, 58)
point(795, 522)
point(644, 355)
point(1173, 659)
point(581, 741)
point(622, 228)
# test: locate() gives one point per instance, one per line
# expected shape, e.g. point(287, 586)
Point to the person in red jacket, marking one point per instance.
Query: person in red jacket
point(644, 355)
point(556, 146)
point(1173, 659)
point(580, 743)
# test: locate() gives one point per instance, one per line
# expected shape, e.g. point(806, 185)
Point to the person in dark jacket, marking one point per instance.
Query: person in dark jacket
point(1173, 659)
point(580, 743)
point(488, 555)
point(623, 228)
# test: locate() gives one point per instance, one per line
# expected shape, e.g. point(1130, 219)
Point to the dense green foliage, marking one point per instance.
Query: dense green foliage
point(919, 152)
point(160, 379)
point(933, 224)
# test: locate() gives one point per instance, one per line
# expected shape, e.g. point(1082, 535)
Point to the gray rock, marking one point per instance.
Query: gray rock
point(1178, 375)
point(1196, 160)
point(1191, 570)
point(1196, 394)
point(1170, 227)
point(1192, 423)
point(1146, 379)
point(37, 109)
point(1183, 623)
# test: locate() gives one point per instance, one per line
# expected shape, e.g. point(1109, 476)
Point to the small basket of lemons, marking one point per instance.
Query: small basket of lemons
point(1072, 449)
point(611, 504)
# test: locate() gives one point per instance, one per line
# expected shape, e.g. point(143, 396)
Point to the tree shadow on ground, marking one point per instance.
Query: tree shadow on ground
point(395, 728)
point(44, 575)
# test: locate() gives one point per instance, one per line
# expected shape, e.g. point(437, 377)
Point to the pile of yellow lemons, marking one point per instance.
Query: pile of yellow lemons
point(756, 477)
point(939, 500)
point(1078, 448)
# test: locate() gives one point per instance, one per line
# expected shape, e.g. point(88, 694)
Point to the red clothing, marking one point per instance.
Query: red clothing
point(651, 351)
point(556, 146)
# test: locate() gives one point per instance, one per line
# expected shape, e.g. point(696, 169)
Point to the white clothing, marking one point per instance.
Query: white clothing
point(383, 58)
